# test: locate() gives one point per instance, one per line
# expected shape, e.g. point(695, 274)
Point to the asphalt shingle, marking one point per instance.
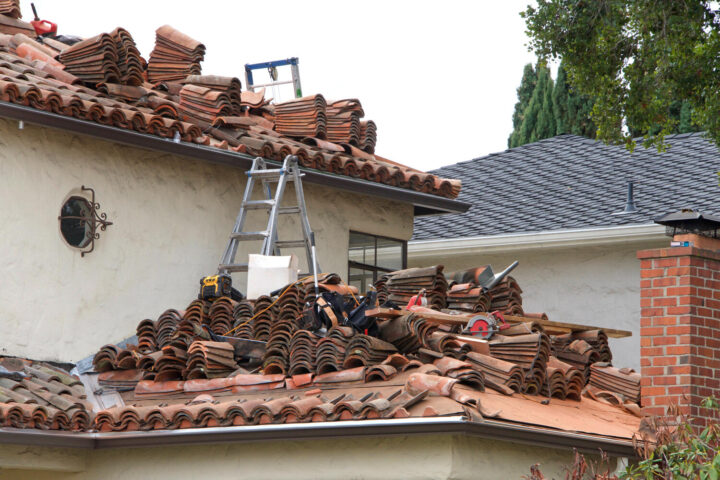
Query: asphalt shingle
point(569, 182)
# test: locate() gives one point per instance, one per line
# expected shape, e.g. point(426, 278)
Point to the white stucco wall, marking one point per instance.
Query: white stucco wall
point(171, 219)
point(592, 285)
point(434, 457)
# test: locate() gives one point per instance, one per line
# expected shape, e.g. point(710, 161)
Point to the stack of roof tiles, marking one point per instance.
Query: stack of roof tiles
point(572, 383)
point(402, 285)
point(205, 98)
point(303, 117)
point(41, 396)
point(129, 61)
point(506, 297)
point(10, 8)
point(343, 121)
point(506, 377)
point(175, 56)
point(368, 136)
point(210, 360)
point(623, 381)
point(330, 351)
point(530, 351)
point(364, 350)
point(468, 297)
point(109, 66)
point(93, 60)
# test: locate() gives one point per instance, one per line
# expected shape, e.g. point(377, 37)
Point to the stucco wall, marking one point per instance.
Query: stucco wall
point(403, 457)
point(171, 219)
point(588, 285)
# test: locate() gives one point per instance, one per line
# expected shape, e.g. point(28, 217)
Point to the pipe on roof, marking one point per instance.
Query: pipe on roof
point(490, 429)
point(425, 203)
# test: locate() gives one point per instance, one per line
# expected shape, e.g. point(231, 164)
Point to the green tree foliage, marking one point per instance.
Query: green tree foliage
point(572, 109)
point(524, 93)
point(546, 108)
point(636, 59)
point(679, 451)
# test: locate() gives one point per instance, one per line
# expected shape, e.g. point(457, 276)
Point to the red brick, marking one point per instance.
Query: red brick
point(664, 380)
point(684, 290)
point(652, 292)
point(652, 273)
point(678, 330)
point(662, 340)
point(664, 361)
point(665, 302)
point(676, 369)
point(659, 282)
point(651, 351)
point(657, 321)
point(676, 271)
point(677, 350)
point(652, 331)
point(665, 262)
point(651, 391)
point(651, 312)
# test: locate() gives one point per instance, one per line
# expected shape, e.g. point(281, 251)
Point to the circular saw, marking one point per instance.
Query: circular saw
point(485, 325)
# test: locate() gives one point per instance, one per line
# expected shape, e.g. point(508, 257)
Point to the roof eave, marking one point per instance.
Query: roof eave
point(424, 203)
point(580, 237)
point(489, 429)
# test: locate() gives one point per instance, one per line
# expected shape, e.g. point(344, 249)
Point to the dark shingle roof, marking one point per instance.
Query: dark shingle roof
point(573, 182)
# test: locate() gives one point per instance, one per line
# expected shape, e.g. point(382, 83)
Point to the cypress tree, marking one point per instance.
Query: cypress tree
point(538, 121)
point(572, 109)
point(524, 93)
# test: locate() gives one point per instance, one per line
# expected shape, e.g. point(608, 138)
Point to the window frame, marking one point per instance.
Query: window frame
point(376, 268)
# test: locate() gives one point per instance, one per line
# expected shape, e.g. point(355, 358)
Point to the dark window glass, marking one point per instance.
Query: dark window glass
point(75, 223)
point(371, 255)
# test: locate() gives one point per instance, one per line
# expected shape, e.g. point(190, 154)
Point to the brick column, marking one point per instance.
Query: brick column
point(679, 329)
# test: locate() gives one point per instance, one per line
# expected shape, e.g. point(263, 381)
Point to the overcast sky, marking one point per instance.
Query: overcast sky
point(438, 78)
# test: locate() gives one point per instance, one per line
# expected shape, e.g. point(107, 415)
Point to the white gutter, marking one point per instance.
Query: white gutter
point(539, 240)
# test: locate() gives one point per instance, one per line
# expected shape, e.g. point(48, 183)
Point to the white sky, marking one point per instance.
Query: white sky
point(438, 78)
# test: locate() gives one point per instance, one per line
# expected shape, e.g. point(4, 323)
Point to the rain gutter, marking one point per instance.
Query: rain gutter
point(489, 429)
point(579, 237)
point(424, 203)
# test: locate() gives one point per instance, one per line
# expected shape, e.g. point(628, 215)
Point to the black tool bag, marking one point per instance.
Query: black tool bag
point(360, 322)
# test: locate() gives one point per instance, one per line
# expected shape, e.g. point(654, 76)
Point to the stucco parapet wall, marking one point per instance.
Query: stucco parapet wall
point(302, 431)
point(678, 252)
point(424, 203)
point(540, 240)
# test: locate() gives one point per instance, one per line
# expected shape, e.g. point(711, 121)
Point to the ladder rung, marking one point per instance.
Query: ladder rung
point(269, 173)
point(249, 235)
point(259, 204)
point(290, 243)
point(235, 267)
point(289, 210)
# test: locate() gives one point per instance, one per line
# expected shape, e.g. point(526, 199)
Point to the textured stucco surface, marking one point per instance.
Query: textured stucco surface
point(402, 457)
point(597, 285)
point(171, 219)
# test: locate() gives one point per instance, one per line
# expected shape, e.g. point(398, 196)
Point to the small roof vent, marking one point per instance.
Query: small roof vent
point(630, 206)
point(688, 220)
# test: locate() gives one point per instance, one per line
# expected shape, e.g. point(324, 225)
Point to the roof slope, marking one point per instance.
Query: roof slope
point(570, 182)
point(101, 80)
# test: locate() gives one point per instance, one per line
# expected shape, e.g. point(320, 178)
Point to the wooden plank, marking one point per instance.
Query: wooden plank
point(573, 327)
point(551, 327)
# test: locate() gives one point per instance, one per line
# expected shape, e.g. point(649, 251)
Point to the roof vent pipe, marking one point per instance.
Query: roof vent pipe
point(630, 206)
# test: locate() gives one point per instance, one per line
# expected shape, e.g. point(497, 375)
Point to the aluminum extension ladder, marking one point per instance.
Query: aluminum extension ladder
point(289, 172)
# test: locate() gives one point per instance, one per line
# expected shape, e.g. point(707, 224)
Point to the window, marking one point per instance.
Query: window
point(371, 255)
point(80, 221)
point(76, 224)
